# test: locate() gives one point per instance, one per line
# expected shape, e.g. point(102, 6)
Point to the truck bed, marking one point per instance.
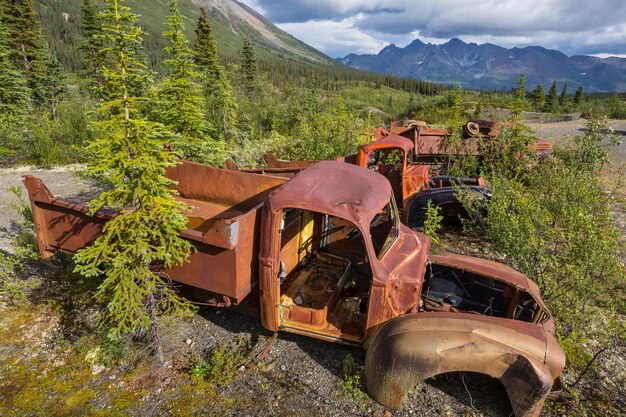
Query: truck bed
point(223, 225)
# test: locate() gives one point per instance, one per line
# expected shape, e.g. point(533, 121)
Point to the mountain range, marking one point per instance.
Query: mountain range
point(489, 66)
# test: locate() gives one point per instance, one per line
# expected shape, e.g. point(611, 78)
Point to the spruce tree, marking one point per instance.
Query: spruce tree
point(249, 68)
point(563, 98)
point(14, 91)
point(91, 43)
point(144, 236)
point(538, 98)
point(180, 99)
point(552, 101)
point(578, 95)
point(29, 47)
point(220, 104)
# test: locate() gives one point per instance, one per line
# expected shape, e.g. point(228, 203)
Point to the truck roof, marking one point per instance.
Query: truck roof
point(391, 141)
point(336, 188)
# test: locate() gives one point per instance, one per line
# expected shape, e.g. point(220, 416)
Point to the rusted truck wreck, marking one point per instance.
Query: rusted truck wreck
point(324, 254)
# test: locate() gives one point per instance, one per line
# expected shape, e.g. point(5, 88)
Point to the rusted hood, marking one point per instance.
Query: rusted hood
point(491, 269)
point(336, 188)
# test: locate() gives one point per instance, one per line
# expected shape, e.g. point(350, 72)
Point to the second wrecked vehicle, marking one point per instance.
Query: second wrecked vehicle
point(324, 255)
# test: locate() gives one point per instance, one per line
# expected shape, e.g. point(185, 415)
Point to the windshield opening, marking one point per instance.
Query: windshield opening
point(385, 228)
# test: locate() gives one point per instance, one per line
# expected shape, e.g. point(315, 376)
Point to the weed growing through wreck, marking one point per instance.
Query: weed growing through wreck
point(224, 362)
point(432, 224)
point(350, 385)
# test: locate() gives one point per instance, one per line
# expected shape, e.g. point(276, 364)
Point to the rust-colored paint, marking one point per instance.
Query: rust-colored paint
point(414, 347)
point(357, 195)
point(223, 225)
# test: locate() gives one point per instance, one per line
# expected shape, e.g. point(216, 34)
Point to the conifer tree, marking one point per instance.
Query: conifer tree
point(455, 123)
point(578, 95)
point(538, 97)
point(180, 98)
point(51, 84)
point(249, 68)
point(91, 43)
point(29, 48)
point(144, 236)
point(14, 92)
point(563, 98)
point(220, 104)
point(552, 101)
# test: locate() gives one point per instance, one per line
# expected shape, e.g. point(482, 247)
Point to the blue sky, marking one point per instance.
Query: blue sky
point(339, 27)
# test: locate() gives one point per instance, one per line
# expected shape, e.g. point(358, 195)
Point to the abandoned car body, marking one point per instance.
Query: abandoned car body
point(325, 255)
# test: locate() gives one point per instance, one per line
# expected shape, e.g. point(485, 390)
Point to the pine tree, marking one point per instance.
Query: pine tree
point(578, 95)
point(51, 84)
point(552, 101)
point(220, 104)
point(249, 68)
point(538, 97)
point(29, 47)
point(91, 43)
point(455, 123)
point(145, 233)
point(14, 92)
point(563, 98)
point(519, 96)
point(180, 99)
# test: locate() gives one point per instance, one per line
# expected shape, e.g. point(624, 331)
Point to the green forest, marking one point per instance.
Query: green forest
point(116, 93)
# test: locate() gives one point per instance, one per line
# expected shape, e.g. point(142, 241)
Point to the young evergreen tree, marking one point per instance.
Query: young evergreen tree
point(180, 98)
point(578, 95)
point(91, 43)
point(519, 96)
point(14, 91)
point(564, 98)
point(455, 123)
point(144, 236)
point(220, 104)
point(552, 101)
point(53, 77)
point(538, 98)
point(249, 70)
point(29, 48)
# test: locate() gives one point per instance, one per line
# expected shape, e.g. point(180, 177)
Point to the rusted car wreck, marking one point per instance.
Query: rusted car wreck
point(324, 254)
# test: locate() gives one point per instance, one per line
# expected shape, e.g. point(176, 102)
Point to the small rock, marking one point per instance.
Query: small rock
point(283, 368)
point(242, 368)
point(188, 341)
point(167, 380)
point(388, 413)
point(218, 312)
point(326, 401)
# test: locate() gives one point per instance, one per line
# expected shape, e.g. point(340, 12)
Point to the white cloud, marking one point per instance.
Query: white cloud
point(336, 38)
point(574, 26)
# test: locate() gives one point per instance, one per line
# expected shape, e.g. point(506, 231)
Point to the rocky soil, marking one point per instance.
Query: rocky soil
point(299, 377)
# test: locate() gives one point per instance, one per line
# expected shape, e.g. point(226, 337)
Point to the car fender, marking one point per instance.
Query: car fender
point(412, 348)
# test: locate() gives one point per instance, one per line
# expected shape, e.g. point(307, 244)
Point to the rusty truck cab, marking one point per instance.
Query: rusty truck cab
point(335, 260)
point(392, 157)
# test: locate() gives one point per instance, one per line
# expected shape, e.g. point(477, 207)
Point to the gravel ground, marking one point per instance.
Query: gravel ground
point(300, 376)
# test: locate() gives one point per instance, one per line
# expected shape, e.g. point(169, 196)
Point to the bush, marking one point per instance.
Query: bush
point(555, 226)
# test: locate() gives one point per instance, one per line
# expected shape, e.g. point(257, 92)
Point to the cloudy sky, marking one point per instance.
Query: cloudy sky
point(339, 27)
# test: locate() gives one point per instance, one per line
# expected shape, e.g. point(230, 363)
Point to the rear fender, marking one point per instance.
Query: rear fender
point(415, 347)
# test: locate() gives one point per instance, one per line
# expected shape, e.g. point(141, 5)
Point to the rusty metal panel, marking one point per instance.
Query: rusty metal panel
point(415, 347)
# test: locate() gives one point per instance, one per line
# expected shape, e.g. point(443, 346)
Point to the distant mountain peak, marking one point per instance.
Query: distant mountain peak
point(490, 66)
